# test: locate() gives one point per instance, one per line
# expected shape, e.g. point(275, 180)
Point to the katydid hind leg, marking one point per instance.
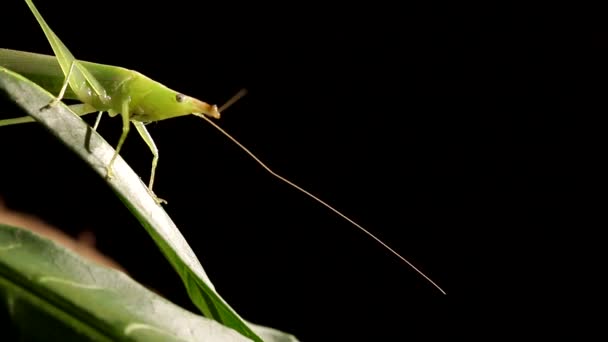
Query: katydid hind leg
point(15, 121)
point(83, 82)
point(145, 135)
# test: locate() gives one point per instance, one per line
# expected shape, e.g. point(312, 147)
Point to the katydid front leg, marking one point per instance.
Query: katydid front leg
point(145, 135)
point(126, 122)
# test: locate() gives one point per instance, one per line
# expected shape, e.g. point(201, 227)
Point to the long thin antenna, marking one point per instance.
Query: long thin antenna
point(239, 95)
point(233, 99)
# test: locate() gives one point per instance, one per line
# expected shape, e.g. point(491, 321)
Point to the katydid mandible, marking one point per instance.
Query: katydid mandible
point(137, 98)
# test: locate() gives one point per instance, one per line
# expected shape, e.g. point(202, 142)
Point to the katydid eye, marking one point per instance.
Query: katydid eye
point(180, 97)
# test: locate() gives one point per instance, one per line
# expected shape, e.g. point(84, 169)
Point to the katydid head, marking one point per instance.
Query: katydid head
point(215, 112)
point(201, 107)
point(152, 101)
point(180, 104)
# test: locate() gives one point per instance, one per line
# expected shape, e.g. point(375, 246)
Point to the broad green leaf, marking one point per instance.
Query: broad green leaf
point(49, 293)
point(91, 147)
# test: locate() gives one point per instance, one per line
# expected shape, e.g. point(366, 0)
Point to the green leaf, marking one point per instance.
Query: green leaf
point(52, 294)
point(91, 147)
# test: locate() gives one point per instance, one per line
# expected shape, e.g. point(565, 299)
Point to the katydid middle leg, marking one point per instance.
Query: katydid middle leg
point(97, 121)
point(125, 131)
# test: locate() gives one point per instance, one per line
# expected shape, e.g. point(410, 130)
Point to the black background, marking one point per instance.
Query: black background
point(396, 116)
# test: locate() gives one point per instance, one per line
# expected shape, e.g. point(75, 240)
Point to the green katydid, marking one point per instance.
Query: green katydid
point(137, 98)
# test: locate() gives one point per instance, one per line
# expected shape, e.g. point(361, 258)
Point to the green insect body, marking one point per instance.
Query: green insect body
point(137, 98)
point(105, 88)
point(148, 100)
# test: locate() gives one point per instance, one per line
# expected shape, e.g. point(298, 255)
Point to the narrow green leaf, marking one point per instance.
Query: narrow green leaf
point(80, 138)
point(52, 294)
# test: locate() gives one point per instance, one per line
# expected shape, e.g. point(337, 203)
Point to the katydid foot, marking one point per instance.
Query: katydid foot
point(51, 103)
point(109, 173)
point(157, 199)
